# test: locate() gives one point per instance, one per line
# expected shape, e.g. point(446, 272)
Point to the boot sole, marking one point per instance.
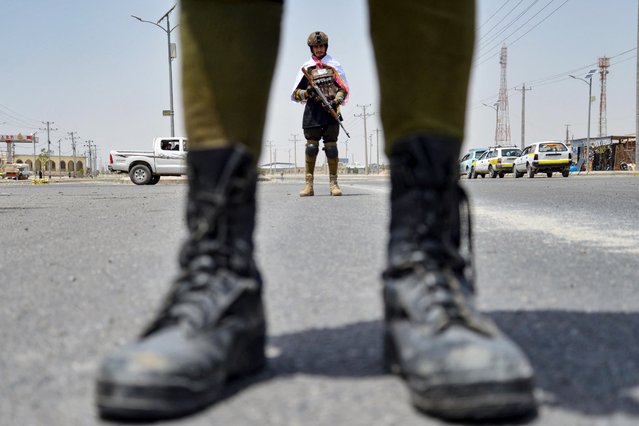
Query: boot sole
point(143, 402)
point(465, 401)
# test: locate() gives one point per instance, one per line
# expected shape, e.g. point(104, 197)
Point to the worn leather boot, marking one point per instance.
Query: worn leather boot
point(211, 326)
point(308, 187)
point(332, 177)
point(312, 148)
point(333, 186)
point(455, 361)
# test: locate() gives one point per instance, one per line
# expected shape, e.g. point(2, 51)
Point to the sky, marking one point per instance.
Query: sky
point(90, 69)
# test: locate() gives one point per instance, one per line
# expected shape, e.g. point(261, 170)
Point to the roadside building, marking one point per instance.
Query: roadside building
point(606, 153)
point(59, 165)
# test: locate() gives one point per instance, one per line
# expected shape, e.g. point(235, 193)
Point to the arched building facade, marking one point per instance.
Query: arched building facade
point(59, 165)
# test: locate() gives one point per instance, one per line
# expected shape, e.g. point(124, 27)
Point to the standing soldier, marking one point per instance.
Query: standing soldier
point(318, 122)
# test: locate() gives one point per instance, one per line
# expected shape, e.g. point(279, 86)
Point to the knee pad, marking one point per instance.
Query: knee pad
point(331, 149)
point(312, 149)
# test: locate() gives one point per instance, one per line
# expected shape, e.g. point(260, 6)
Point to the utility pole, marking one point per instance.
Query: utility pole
point(73, 146)
point(49, 130)
point(33, 135)
point(364, 115)
point(90, 162)
point(637, 104)
point(523, 113)
point(59, 159)
point(496, 108)
point(294, 140)
point(270, 155)
point(567, 136)
point(370, 145)
point(94, 169)
point(377, 133)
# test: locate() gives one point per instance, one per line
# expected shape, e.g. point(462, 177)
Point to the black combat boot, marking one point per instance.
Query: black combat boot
point(211, 326)
point(456, 363)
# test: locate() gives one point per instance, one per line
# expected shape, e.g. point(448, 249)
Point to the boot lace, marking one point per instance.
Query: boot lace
point(207, 285)
point(437, 289)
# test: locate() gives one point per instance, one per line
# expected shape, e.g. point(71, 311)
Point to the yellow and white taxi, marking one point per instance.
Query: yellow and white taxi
point(546, 157)
point(497, 161)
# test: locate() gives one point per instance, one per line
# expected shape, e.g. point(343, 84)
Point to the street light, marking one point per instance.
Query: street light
point(588, 80)
point(495, 106)
point(172, 55)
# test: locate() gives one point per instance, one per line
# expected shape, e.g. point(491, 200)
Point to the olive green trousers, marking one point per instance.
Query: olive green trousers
point(423, 50)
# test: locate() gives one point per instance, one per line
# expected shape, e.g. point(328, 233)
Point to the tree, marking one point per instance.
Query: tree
point(44, 159)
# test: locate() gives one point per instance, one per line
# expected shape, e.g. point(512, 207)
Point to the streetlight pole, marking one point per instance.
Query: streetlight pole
point(588, 81)
point(33, 136)
point(495, 106)
point(171, 56)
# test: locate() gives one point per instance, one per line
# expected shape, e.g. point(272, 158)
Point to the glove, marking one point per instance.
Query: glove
point(311, 93)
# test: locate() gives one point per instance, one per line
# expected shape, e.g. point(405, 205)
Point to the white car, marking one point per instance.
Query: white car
point(497, 161)
point(547, 157)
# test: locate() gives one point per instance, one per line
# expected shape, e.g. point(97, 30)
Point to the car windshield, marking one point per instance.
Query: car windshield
point(510, 153)
point(552, 147)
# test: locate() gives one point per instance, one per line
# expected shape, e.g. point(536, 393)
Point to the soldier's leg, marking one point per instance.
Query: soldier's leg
point(332, 157)
point(456, 362)
point(312, 136)
point(211, 326)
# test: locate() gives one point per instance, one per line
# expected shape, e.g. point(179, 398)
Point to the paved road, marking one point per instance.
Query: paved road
point(84, 266)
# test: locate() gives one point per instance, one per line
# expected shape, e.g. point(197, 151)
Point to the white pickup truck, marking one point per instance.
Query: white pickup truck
point(168, 158)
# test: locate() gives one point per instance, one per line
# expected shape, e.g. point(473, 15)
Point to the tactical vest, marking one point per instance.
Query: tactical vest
point(325, 81)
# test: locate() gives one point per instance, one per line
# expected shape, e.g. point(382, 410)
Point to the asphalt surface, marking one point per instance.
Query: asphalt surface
point(85, 265)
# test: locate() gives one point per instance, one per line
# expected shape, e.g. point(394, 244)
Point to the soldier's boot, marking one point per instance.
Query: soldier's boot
point(211, 326)
point(308, 186)
point(455, 361)
point(332, 177)
point(312, 149)
point(333, 186)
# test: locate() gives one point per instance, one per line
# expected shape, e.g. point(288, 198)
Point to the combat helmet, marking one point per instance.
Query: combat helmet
point(317, 38)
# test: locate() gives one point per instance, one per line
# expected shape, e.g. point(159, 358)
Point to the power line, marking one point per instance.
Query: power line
point(493, 15)
point(502, 19)
point(524, 34)
point(495, 36)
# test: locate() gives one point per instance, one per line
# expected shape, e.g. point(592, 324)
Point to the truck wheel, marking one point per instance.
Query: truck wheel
point(531, 172)
point(492, 172)
point(155, 179)
point(565, 173)
point(140, 174)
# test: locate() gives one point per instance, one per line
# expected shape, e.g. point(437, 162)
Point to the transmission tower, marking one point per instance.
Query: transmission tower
point(503, 122)
point(604, 63)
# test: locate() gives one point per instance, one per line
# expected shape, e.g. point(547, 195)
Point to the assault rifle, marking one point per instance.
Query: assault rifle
point(325, 103)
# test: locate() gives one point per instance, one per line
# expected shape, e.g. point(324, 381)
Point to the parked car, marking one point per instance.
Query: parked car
point(545, 157)
point(467, 162)
point(497, 161)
